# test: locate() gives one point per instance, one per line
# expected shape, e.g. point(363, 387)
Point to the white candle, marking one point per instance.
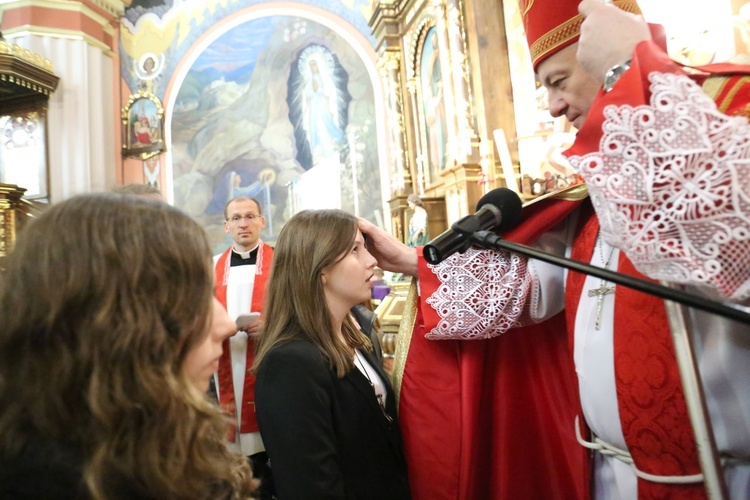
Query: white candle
point(505, 161)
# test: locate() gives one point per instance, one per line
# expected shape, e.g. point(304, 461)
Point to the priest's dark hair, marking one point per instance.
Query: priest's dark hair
point(103, 298)
point(241, 197)
point(295, 306)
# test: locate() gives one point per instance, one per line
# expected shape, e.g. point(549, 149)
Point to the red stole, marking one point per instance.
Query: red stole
point(653, 413)
point(226, 383)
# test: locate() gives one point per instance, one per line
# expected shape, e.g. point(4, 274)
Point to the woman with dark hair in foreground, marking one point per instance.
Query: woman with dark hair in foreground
point(109, 335)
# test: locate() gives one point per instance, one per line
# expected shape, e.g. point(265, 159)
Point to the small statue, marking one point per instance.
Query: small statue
point(418, 232)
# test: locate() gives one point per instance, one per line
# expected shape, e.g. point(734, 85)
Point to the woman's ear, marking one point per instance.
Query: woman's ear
point(323, 279)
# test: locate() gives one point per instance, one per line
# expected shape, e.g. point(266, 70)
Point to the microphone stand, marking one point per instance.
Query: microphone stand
point(708, 456)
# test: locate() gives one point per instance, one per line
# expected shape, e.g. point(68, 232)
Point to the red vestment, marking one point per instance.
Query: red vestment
point(492, 418)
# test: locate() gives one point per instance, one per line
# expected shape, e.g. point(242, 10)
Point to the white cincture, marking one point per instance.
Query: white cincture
point(623, 456)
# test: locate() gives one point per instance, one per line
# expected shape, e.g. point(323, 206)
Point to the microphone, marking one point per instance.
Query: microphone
point(498, 210)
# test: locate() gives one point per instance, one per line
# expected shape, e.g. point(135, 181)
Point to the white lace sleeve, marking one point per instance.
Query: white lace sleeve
point(482, 294)
point(671, 186)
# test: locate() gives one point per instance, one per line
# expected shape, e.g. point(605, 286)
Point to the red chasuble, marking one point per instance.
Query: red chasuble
point(653, 412)
point(226, 383)
point(493, 419)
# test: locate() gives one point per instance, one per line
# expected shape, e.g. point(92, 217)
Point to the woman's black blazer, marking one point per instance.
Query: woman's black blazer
point(327, 437)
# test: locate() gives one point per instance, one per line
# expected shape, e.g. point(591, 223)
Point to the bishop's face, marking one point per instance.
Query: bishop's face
point(571, 89)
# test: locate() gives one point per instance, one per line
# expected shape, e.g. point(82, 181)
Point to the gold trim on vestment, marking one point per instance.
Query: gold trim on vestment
point(727, 101)
point(403, 340)
point(571, 193)
point(565, 32)
point(713, 86)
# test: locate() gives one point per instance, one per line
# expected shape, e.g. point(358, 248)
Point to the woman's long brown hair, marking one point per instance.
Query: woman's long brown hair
point(103, 297)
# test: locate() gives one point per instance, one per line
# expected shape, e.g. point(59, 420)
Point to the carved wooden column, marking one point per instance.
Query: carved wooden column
point(446, 62)
point(389, 67)
point(465, 142)
point(81, 38)
point(421, 166)
point(490, 79)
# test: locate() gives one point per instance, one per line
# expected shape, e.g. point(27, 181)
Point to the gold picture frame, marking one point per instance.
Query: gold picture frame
point(432, 94)
point(143, 126)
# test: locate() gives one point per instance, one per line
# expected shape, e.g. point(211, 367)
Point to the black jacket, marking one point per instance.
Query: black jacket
point(327, 437)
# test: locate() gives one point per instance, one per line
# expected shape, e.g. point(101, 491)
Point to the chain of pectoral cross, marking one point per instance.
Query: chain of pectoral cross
point(603, 289)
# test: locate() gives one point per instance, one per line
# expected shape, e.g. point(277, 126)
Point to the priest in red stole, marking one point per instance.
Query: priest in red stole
point(488, 403)
point(242, 272)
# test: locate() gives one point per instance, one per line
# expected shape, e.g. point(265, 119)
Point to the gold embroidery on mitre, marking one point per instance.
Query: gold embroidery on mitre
point(574, 193)
point(570, 29)
point(555, 38)
point(525, 6)
point(713, 86)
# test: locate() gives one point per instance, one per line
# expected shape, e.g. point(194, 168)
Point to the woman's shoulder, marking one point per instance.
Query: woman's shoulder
point(295, 351)
point(296, 361)
point(296, 347)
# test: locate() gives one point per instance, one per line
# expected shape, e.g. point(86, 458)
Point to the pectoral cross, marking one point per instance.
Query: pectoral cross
point(599, 293)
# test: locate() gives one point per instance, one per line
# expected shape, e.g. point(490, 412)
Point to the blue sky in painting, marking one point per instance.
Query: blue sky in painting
point(234, 54)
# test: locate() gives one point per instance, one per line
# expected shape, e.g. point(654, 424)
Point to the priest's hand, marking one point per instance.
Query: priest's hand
point(391, 254)
point(249, 323)
point(608, 37)
point(252, 330)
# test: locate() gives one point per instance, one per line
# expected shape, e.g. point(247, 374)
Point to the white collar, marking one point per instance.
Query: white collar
point(245, 255)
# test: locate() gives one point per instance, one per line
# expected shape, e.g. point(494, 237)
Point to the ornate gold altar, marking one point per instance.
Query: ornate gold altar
point(26, 82)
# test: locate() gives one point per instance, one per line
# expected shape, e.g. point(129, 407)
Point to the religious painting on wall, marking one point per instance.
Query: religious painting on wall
point(318, 106)
point(433, 103)
point(279, 108)
point(143, 126)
